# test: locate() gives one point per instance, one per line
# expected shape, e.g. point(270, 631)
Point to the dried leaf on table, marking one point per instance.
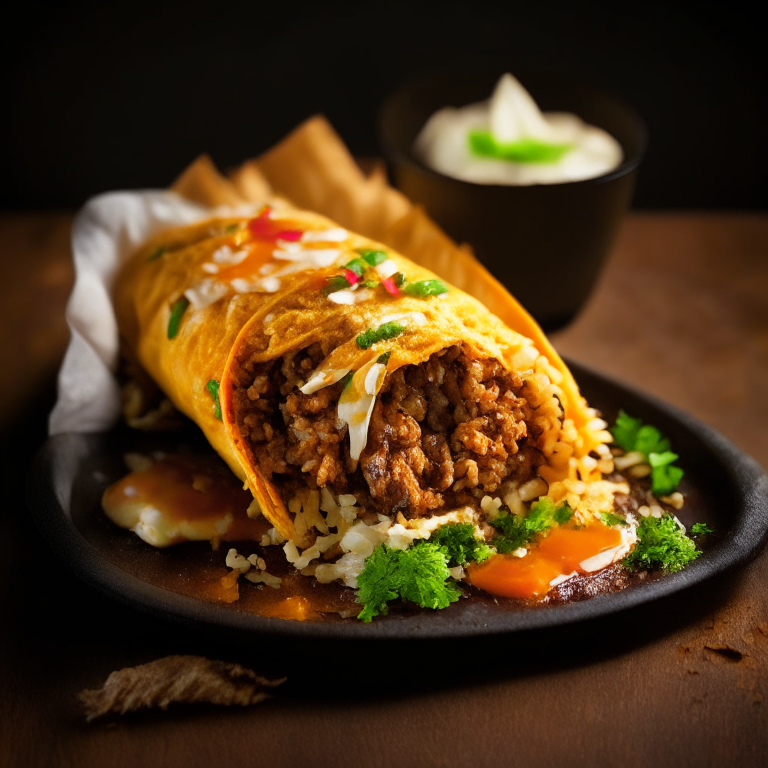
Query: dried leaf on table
point(176, 679)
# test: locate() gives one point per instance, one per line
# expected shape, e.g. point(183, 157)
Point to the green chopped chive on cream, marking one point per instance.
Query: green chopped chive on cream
point(484, 144)
point(213, 390)
point(178, 308)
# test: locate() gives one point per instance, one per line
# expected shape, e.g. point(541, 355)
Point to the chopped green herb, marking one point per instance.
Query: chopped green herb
point(517, 530)
point(373, 257)
point(625, 431)
point(230, 229)
point(398, 279)
point(664, 480)
point(384, 359)
point(370, 283)
point(419, 574)
point(178, 308)
point(484, 144)
point(632, 435)
point(426, 288)
point(336, 283)
point(213, 391)
point(661, 545)
point(370, 337)
point(459, 543)
point(513, 532)
point(610, 519)
point(358, 266)
point(699, 529)
point(157, 253)
point(649, 440)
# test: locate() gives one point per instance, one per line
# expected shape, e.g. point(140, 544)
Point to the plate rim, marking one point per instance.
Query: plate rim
point(745, 539)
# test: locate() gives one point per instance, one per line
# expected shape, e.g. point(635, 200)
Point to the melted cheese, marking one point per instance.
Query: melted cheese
point(183, 498)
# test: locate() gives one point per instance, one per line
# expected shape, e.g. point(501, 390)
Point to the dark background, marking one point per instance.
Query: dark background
point(100, 96)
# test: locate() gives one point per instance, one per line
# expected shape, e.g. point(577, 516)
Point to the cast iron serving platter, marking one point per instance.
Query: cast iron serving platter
point(723, 487)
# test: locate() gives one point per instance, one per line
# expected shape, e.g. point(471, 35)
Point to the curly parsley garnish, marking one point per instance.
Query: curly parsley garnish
point(213, 390)
point(632, 435)
point(370, 337)
point(419, 574)
point(460, 544)
point(699, 529)
point(661, 545)
point(178, 308)
point(516, 531)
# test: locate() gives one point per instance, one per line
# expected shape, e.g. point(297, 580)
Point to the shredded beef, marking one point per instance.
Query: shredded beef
point(442, 432)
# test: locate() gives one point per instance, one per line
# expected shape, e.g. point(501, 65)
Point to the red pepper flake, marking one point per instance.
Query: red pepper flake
point(351, 277)
point(389, 284)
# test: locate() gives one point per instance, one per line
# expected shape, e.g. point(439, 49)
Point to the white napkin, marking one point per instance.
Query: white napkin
point(105, 233)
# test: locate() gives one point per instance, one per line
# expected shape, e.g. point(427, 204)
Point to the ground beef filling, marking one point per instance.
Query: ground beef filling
point(442, 433)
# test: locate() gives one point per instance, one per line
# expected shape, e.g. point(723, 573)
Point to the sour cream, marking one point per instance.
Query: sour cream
point(508, 140)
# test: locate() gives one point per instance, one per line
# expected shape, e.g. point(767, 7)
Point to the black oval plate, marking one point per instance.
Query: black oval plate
point(723, 487)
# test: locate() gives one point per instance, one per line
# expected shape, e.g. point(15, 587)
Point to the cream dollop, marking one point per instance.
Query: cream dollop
point(511, 122)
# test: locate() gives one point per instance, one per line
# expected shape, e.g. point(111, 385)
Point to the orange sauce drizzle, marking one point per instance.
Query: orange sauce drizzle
point(194, 489)
point(260, 253)
point(558, 554)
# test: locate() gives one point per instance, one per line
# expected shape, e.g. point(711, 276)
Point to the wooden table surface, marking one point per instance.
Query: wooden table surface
point(681, 311)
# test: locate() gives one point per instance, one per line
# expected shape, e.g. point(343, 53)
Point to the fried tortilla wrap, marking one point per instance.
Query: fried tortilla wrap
point(312, 357)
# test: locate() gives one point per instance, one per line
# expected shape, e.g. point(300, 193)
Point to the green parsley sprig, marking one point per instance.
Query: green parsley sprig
point(460, 544)
point(632, 435)
point(661, 545)
point(419, 574)
point(516, 531)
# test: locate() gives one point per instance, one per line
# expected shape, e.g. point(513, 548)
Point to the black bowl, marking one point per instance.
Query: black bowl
point(546, 242)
